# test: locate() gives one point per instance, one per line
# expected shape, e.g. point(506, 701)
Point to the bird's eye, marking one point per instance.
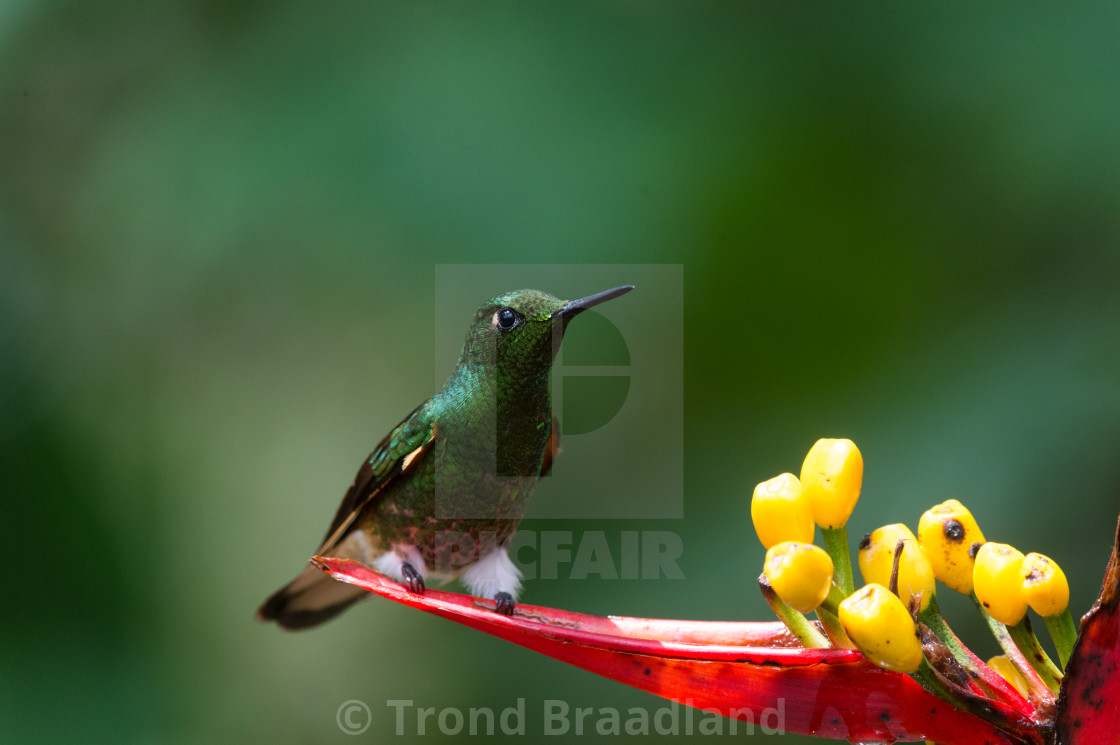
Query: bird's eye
point(507, 318)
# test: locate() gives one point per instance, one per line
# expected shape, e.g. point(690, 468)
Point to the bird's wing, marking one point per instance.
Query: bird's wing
point(400, 451)
point(552, 448)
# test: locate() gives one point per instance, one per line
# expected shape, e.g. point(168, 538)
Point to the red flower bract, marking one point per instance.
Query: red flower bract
point(743, 670)
point(753, 670)
point(1089, 702)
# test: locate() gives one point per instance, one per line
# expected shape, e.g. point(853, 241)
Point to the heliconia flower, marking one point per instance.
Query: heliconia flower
point(800, 573)
point(876, 563)
point(949, 535)
point(882, 628)
point(780, 511)
point(740, 669)
point(1045, 587)
point(747, 670)
point(1047, 593)
point(832, 477)
point(997, 583)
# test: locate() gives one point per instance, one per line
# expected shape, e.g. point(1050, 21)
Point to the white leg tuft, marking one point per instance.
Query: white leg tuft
point(493, 573)
point(390, 562)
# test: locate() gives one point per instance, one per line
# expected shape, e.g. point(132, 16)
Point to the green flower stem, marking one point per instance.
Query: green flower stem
point(928, 679)
point(834, 630)
point(1064, 633)
point(932, 618)
point(988, 679)
point(1026, 641)
point(836, 543)
point(835, 597)
point(796, 622)
point(1039, 688)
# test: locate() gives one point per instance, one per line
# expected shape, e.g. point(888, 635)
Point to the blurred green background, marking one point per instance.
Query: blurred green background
point(219, 228)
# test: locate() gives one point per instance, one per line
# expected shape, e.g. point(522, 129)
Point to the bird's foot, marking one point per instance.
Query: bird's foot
point(503, 603)
point(413, 580)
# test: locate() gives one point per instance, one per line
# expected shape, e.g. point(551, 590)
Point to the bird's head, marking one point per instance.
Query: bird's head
point(518, 333)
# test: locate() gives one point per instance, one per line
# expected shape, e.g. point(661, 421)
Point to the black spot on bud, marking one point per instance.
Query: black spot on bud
point(865, 541)
point(954, 531)
point(974, 549)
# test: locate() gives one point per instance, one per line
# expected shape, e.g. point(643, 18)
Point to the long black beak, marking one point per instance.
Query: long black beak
point(573, 308)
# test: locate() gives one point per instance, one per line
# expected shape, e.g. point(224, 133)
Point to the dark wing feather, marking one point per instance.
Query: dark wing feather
point(410, 439)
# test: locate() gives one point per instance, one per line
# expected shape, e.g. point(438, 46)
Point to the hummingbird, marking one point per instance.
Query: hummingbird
point(442, 494)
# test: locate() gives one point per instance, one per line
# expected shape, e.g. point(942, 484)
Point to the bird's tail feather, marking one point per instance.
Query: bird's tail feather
point(309, 600)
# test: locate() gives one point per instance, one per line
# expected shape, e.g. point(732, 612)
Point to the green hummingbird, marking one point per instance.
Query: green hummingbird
point(444, 492)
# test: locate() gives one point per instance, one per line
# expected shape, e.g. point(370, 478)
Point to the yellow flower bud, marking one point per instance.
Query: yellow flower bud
point(780, 511)
point(881, 627)
point(876, 561)
point(1007, 670)
point(998, 583)
point(1044, 585)
point(800, 573)
point(832, 476)
point(950, 538)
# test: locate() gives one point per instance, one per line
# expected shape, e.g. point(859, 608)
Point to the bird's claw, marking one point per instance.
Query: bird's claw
point(413, 580)
point(503, 603)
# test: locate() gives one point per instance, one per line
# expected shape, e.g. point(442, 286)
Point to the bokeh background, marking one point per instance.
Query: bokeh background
point(219, 230)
